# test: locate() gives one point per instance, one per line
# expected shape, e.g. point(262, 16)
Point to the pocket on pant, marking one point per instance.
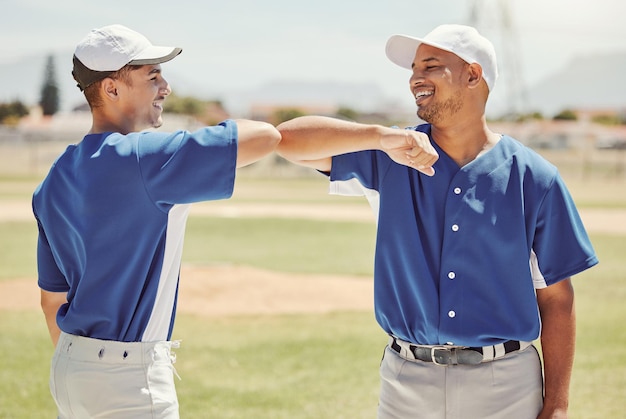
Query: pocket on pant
point(162, 389)
point(519, 367)
point(391, 365)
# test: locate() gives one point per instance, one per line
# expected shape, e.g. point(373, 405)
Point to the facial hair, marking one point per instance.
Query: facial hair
point(158, 123)
point(436, 112)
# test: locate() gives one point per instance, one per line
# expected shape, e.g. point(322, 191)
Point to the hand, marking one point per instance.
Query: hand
point(410, 148)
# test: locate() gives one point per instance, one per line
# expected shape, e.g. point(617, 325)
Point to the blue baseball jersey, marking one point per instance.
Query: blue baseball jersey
point(460, 254)
point(111, 215)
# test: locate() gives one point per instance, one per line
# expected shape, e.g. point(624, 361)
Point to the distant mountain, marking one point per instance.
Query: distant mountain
point(361, 96)
point(22, 79)
point(591, 81)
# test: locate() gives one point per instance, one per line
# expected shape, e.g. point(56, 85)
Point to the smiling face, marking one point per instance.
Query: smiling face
point(141, 96)
point(437, 83)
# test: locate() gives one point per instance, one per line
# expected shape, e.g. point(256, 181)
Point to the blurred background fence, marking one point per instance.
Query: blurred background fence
point(581, 151)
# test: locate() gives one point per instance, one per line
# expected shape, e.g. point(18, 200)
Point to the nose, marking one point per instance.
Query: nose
point(416, 79)
point(165, 89)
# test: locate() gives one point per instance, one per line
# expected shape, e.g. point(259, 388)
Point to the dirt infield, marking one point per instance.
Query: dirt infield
point(236, 290)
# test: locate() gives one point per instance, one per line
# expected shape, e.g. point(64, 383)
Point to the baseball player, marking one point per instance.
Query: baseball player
point(477, 240)
point(111, 215)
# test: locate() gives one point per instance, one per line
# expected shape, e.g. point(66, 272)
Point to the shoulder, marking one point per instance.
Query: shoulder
point(527, 159)
point(522, 151)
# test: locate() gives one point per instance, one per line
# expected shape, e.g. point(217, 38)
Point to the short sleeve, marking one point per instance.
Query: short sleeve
point(561, 243)
point(185, 167)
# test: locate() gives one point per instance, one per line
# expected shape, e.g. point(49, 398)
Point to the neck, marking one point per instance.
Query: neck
point(103, 121)
point(464, 142)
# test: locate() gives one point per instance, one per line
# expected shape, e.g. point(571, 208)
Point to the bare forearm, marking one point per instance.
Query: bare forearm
point(53, 329)
point(314, 140)
point(318, 137)
point(558, 338)
point(50, 304)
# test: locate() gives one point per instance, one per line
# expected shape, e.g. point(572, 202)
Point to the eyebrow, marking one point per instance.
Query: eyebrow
point(426, 60)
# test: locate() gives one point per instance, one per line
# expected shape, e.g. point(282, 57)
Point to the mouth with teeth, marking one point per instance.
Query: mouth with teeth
point(158, 105)
point(421, 95)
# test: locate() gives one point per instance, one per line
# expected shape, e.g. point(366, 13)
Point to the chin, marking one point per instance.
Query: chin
point(423, 116)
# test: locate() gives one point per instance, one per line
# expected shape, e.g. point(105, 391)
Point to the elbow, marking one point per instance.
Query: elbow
point(258, 144)
point(289, 130)
point(45, 304)
point(288, 145)
point(272, 135)
point(267, 136)
point(50, 302)
point(49, 310)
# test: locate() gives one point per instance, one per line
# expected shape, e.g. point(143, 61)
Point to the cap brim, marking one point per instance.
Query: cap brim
point(155, 55)
point(401, 49)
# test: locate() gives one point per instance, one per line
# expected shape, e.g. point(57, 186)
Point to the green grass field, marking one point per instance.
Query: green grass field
point(301, 366)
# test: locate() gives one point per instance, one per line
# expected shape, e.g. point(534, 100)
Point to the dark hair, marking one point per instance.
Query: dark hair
point(92, 92)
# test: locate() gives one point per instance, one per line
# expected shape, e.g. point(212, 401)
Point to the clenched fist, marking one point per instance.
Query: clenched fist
point(410, 148)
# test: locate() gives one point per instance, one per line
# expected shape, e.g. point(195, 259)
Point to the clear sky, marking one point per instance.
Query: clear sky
point(245, 43)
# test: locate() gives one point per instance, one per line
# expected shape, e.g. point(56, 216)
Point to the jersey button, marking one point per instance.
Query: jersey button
point(451, 275)
point(457, 190)
point(451, 314)
point(455, 227)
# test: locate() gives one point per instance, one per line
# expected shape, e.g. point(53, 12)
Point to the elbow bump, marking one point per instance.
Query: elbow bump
point(273, 136)
point(268, 132)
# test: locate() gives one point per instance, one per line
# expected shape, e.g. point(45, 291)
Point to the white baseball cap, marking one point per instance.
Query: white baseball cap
point(106, 50)
point(463, 41)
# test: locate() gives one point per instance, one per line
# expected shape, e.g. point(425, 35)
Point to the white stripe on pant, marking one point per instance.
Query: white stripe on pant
point(510, 387)
point(99, 378)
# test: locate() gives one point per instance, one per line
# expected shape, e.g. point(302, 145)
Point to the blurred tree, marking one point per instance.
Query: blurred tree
point(566, 115)
point(285, 114)
point(608, 119)
point(183, 105)
point(10, 113)
point(522, 117)
point(347, 113)
point(50, 100)
point(208, 112)
point(532, 116)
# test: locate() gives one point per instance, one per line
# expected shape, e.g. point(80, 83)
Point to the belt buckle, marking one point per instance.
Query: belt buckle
point(433, 356)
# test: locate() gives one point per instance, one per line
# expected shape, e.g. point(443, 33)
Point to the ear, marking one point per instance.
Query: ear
point(475, 75)
point(109, 89)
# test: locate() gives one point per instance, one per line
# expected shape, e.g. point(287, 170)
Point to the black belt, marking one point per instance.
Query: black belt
point(454, 355)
